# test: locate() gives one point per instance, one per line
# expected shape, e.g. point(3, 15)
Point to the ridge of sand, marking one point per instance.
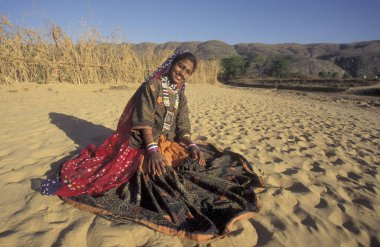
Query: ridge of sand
point(320, 158)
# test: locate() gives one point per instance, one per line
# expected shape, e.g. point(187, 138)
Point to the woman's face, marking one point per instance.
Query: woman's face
point(180, 71)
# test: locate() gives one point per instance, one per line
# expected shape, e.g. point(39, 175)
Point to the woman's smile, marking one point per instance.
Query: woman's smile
point(179, 76)
point(180, 71)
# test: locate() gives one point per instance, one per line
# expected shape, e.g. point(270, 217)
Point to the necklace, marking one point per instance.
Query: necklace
point(169, 115)
point(167, 87)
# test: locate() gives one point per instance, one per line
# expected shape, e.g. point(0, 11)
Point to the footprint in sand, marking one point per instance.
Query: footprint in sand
point(363, 202)
point(310, 222)
point(278, 224)
point(369, 187)
point(299, 188)
point(338, 162)
point(349, 225)
point(354, 176)
point(322, 204)
point(330, 153)
point(317, 167)
point(290, 171)
point(264, 235)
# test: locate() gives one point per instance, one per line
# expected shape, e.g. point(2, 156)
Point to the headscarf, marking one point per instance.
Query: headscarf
point(125, 122)
point(165, 67)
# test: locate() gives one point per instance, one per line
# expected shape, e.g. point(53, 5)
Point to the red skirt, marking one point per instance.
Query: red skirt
point(96, 170)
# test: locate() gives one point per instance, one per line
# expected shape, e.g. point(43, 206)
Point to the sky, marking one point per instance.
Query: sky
point(231, 21)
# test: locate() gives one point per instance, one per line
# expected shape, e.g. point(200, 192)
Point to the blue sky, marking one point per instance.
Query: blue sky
point(235, 21)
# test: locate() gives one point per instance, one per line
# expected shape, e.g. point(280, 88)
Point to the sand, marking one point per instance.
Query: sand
point(319, 156)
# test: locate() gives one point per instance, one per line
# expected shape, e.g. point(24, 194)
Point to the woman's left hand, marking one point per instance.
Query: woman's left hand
point(197, 154)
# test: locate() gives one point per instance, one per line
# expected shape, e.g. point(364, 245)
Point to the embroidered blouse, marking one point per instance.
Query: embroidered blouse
point(150, 111)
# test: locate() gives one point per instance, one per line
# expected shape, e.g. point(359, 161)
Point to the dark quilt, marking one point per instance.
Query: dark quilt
point(189, 200)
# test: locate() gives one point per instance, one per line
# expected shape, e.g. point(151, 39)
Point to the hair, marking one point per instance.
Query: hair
point(187, 55)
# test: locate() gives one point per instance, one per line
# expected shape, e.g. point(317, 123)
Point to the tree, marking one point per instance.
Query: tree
point(334, 75)
point(233, 66)
point(260, 62)
point(347, 75)
point(280, 68)
point(322, 75)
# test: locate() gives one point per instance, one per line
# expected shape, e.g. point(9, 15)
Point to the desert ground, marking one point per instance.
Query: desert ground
point(319, 155)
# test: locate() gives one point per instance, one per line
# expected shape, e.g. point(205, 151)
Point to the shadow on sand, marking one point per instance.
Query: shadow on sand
point(82, 132)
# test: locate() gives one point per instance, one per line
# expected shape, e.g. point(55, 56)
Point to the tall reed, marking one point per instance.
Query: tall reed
point(51, 56)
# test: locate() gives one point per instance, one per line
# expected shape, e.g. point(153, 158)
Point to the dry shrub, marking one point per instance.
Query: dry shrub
point(51, 56)
point(206, 72)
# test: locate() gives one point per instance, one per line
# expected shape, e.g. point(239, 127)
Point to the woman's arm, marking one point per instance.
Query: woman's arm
point(196, 153)
point(183, 130)
point(143, 121)
point(156, 161)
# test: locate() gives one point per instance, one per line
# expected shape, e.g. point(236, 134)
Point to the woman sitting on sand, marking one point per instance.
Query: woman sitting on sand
point(150, 171)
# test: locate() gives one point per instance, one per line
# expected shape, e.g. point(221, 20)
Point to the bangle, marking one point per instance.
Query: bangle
point(192, 145)
point(152, 148)
point(151, 144)
point(183, 137)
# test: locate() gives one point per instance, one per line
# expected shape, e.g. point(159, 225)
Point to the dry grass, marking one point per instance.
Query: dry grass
point(207, 72)
point(51, 56)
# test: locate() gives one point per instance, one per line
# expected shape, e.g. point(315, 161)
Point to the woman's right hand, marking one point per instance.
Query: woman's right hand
point(157, 163)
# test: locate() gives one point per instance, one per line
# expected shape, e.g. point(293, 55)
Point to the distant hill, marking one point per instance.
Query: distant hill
point(359, 58)
point(213, 49)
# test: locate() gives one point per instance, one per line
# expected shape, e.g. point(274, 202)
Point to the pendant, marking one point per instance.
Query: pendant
point(168, 121)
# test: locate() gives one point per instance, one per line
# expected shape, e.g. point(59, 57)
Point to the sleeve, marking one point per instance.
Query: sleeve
point(143, 113)
point(183, 126)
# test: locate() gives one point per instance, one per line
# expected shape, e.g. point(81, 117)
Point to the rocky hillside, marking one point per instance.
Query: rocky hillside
point(358, 59)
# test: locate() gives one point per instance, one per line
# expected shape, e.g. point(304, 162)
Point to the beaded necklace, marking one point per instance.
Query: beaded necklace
point(169, 115)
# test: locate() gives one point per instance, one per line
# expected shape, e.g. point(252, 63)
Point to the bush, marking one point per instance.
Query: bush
point(280, 68)
point(322, 74)
point(347, 75)
point(233, 66)
point(331, 75)
point(334, 75)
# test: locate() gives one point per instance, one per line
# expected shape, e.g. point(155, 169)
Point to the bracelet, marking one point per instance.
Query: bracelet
point(192, 145)
point(152, 144)
point(183, 137)
point(152, 148)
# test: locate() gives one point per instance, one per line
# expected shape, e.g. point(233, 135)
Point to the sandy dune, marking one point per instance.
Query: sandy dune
point(319, 156)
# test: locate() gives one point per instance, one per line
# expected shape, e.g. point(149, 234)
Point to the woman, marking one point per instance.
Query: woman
point(151, 172)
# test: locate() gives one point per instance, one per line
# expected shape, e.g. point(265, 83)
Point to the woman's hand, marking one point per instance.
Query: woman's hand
point(197, 154)
point(157, 163)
